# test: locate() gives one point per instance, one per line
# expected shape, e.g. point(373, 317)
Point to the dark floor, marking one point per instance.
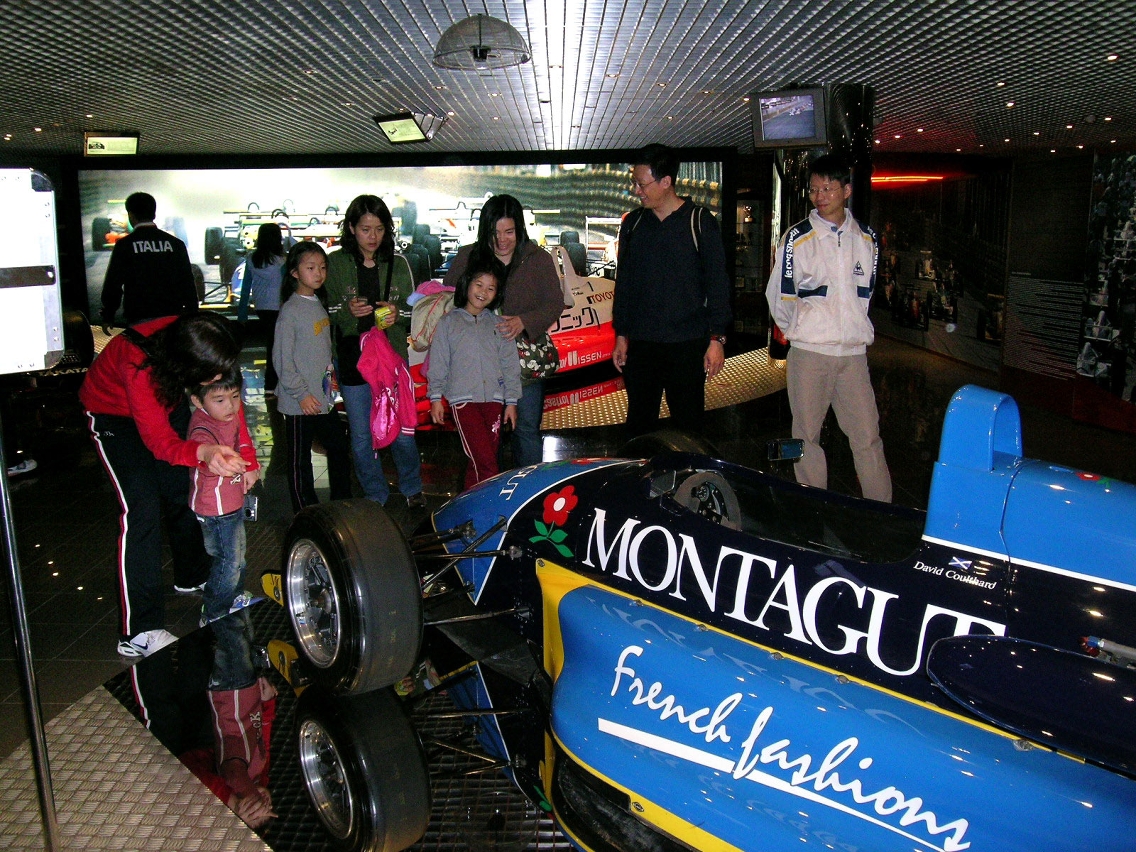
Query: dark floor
point(66, 516)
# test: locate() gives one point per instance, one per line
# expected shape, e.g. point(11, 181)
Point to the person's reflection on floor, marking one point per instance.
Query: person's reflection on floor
point(243, 705)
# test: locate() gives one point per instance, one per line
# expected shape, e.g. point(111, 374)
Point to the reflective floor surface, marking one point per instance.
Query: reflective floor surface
point(66, 521)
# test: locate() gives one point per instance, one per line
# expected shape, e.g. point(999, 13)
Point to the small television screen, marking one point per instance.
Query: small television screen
point(791, 118)
point(400, 128)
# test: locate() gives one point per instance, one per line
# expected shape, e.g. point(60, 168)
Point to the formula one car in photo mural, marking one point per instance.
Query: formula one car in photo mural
point(680, 653)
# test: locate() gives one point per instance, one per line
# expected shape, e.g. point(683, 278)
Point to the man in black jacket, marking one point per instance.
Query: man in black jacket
point(149, 271)
point(672, 299)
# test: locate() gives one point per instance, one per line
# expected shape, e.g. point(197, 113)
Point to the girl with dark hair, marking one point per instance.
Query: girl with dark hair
point(303, 359)
point(134, 395)
point(262, 282)
point(475, 368)
point(533, 302)
point(366, 284)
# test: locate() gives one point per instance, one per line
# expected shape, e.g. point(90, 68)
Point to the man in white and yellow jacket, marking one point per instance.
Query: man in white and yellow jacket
point(819, 293)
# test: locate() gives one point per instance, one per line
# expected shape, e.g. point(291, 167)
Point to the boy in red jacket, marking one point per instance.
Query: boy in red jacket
point(218, 501)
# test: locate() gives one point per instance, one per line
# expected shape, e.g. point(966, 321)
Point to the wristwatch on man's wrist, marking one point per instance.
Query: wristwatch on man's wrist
point(721, 338)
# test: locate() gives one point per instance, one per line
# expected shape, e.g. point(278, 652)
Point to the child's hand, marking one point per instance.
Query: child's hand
point(437, 411)
point(250, 479)
point(510, 417)
point(310, 405)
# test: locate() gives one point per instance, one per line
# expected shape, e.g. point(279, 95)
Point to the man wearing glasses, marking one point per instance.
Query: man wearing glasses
point(818, 295)
point(672, 299)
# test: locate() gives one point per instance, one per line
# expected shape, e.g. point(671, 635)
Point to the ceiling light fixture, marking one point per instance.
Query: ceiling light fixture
point(479, 43)
point(404, 127)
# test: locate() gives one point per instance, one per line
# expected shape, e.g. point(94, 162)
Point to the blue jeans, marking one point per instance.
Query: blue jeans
point(528, 447)
point(224, 537)
point(368, 465)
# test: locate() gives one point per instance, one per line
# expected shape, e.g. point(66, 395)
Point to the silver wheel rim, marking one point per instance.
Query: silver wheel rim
point(313, 603)
point(326, 780)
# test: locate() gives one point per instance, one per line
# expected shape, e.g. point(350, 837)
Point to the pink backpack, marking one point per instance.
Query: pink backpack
point(392, 390)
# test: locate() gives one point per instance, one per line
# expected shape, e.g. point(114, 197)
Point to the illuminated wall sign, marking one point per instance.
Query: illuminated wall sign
point(99, 145)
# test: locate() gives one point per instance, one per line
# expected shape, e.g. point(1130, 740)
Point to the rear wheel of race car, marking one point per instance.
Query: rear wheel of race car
point(666, 441)
point(100, 227)
point(352, 594)
point(364, 769)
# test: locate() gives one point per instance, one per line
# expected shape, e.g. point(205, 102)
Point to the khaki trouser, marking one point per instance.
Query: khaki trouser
point(815, 383)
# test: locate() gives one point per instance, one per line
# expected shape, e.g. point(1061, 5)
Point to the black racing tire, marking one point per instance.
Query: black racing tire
point(214, 241)
point(364, 769)
point(100, 227)
point(352, 593)
point(667, 441)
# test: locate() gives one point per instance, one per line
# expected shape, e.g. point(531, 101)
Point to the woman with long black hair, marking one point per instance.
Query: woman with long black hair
point(534, 300)
point(364, 277)
point(263, 273)
point(135, 397)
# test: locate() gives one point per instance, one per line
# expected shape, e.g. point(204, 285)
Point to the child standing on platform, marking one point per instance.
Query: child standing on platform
point(476, 369)
point(302, 355)
point(218, 501)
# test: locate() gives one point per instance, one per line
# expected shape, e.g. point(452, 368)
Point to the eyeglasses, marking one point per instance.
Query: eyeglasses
point(825, 190)
point(642, 185)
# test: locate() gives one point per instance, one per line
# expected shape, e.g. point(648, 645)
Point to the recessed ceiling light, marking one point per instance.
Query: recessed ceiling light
point(494, 94)
point(1005, 140)
point(1052, 150)
point(1112, 57)
point(1068, 127)
point(662, 85)
point(958, 150)
point(439, 87)
point(1106, 118)
point(1112, 141)
point(918, 129)
point(496, 118)
point(1001, 84)
point(898, 136)
point(1009, 104)
point(39, 130)
point(451, 113)
point(91, 116)
point(613, 76)
point(1079, 147)
point(745, 100)
point(1037, 133)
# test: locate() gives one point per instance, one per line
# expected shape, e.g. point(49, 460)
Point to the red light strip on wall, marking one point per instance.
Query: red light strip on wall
point(897, 180)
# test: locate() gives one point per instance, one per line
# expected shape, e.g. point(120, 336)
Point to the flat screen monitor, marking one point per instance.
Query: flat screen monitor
point(790, 118)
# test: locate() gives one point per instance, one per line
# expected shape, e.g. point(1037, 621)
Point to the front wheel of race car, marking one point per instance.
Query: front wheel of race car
point(364, 769)
point(352, 595)
point(667, 441)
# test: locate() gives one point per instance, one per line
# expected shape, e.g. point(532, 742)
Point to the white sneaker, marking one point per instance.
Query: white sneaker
point(145, 644)
point(242, 600)
point(26, 466)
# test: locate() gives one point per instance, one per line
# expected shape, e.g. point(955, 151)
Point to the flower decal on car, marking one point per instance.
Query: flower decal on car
point(557, 506)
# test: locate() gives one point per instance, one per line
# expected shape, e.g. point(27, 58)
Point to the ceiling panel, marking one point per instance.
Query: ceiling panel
point(258, 77)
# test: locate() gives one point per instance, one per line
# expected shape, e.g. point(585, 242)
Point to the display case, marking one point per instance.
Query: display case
point(751, 313)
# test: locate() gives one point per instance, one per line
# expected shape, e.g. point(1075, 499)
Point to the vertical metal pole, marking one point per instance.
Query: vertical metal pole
point(27, 673)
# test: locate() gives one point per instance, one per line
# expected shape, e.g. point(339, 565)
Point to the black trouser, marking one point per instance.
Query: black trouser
point(299, 430)
point(677, 369)
point(148, 491)
point(268, 322)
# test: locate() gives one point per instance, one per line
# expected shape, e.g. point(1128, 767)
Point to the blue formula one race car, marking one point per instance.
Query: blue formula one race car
point(679, 653)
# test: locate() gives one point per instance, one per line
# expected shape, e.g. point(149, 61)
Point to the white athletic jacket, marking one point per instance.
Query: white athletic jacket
point(822, 284)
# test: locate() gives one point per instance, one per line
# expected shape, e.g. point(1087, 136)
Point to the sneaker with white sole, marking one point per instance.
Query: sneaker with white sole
point(189, 590)
point(26, 466)
point(146, 643)
point(244, 599)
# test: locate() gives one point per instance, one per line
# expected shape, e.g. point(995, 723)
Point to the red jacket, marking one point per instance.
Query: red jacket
point(116, 385)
